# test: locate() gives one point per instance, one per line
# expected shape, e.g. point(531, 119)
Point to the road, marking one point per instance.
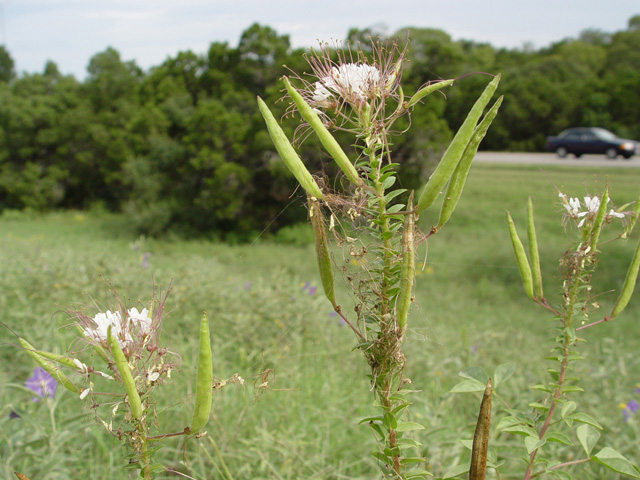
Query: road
point(552, 159)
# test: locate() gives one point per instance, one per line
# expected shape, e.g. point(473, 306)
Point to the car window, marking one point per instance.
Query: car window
point(604, 134)
point(588, 136)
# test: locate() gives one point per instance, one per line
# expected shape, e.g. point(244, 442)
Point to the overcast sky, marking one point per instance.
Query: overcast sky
point(70, 32)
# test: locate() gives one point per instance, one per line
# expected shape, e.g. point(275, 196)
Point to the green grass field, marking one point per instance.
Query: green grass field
point(302, 423)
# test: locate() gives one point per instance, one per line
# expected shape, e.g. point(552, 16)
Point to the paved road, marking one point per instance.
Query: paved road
point(552, 159)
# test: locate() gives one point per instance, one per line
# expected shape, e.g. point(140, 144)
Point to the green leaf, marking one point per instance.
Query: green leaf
point(610, 458)
point(419, 474)
point(560, 474)
point(588, 437)
point(456, 471)
point(568, 408)
point(475, 373)
point(584, 418)
point(467, 386)
point(389, 421)
point(503, 373)
point(408, 426)
point(533, 443)
point(558, 437)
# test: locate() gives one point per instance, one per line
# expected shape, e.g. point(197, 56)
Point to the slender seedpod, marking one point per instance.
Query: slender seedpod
point(426, 90)
point(521, 258)
point(49, 366)
point(322, 249)
point(480, 447)
point(597, 223)
point(459, 177)
point(456, 148)
point(629, 284)
point(534, 255)
point(288, 153)
point(66, 361)
point(407, 270)
point(327, 140)
point(204, 385)
point(135, 404)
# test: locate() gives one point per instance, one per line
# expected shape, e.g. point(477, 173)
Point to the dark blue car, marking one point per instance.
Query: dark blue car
point(579, 141)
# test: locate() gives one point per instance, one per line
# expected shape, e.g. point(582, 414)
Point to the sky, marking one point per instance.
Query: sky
point(70, 32)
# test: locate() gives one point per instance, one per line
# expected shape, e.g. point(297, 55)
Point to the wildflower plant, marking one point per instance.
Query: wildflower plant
point(555, 419)
point(376, 230)
point(126, 364)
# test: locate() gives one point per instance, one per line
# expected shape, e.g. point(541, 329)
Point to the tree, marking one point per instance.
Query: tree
point(7, 71)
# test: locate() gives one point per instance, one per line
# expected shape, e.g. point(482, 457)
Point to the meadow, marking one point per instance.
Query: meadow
point(297, 414)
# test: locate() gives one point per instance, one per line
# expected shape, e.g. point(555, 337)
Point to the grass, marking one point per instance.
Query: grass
point(470, 309)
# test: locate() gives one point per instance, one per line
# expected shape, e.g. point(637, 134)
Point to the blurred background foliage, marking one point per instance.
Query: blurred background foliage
point(181, 148)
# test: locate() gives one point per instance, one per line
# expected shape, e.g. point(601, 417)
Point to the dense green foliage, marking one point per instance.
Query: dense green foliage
point(183, 147)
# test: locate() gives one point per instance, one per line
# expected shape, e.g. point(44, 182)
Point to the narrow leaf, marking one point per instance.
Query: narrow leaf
point(534, 255)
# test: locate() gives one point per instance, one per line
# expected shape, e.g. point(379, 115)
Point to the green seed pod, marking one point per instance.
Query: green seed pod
point(480, 447)
point(135, 404)
point(597, 223)
point(49, 366)
point(322, 249)
point(407, 270)
point(456, 148)
point(534, 256)
point(521, 258)
point(426, 90)
point(629, 284)
point(204, 385)
point(327, 140)
point(459, 177)
point(288, 153)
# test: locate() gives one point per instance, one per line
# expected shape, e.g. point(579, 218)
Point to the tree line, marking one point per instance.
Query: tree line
point(182, 146)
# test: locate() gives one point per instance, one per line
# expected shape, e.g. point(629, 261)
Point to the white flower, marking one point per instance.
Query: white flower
point(592, 204)
point(153, 376)
point(84, 393)
point(350, 80)
point(105, 320)
point(613, 213)
point(81, 366)
point(573, 207)
point(141, 319)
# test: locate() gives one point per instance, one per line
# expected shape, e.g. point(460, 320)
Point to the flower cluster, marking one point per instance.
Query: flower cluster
point(591, 206)
point(137, 325)
point(351, 81)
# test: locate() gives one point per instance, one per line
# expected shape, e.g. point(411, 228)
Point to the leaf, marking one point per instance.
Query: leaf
point(456, 471)
point(533, 443)
point(503, 373)
point(521, 429)
point(568, 408)
point(475, 373)
point(467, 386)
point(584, 418)
point(408, 426)
point(558, 437)
point(560, 474)
point(588, 437)
point(419, 474)
point(613, 460)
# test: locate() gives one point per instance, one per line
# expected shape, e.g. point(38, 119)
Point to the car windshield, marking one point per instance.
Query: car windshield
point(604, 134)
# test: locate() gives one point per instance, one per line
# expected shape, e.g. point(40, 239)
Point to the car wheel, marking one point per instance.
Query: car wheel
point(627, 156)
point(611, 153)
point(578, 155)
point(561, 152)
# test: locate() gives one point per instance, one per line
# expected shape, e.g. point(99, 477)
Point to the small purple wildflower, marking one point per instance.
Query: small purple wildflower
point(41, 383)
point(312, 290)
point(247, 286)
point(144, 260)
point(633, 406)
point(637, 390)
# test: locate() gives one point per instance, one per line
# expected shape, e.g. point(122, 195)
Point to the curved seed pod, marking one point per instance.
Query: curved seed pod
point(459, 177)
point(456, 148)
point(288, 153)
point(597, 223)
point(49, 366)
point(426, 90)
point(407, 270)
point(135, 404)
point(204, 392)
point(480, 447)
point(322, 249)
point(521, 258)
point(327, 140)
point(534, 256)
point(629, 284)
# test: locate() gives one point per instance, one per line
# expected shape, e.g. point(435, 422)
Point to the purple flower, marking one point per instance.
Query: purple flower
point(637, 390)
point(633, 406)
point(312, 290)
point(41, 383)
point(247, 285)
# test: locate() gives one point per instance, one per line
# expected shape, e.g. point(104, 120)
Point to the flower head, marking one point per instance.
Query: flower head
point(135, 329)
point(41, 383)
